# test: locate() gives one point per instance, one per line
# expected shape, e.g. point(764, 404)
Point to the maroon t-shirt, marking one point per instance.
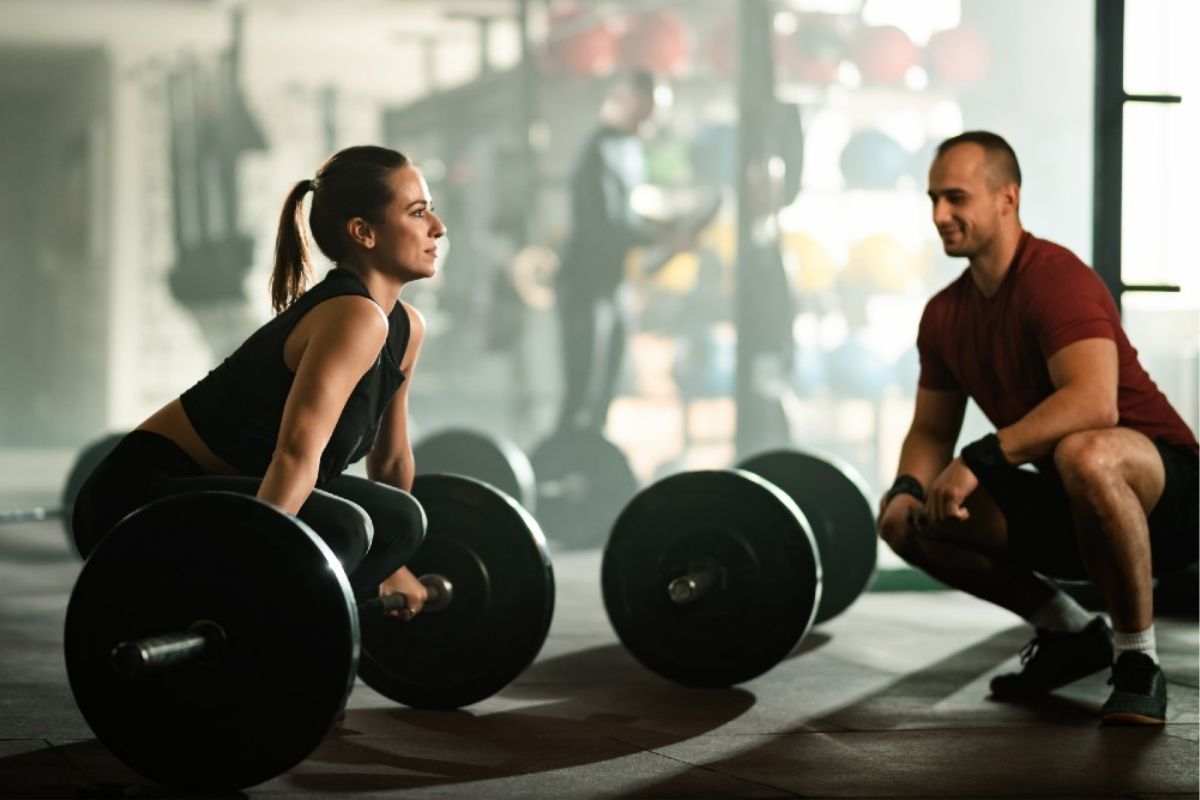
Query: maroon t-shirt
point(995, 349)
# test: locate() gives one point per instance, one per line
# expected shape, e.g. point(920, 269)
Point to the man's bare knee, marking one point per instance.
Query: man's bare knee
point(1086, 461)
point(1098, 467)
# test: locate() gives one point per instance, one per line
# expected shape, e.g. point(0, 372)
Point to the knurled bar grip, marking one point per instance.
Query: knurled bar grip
point(204, 640)
point(142, 657)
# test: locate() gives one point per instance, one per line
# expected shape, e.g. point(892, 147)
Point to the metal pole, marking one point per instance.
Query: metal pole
point(758, 412)
point(1107, 143)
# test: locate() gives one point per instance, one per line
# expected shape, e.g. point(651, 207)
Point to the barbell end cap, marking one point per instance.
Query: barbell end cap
point(129, 660)
point(683, 590)
point(440, 589)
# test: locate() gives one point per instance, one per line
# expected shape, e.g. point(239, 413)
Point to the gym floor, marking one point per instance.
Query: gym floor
point(887, 700)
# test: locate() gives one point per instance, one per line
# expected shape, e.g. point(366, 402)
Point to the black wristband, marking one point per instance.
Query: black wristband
point(905, 484)
point(985, 458)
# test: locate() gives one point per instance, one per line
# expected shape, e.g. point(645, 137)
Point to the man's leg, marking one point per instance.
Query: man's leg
point(1114, 478)
point(577, 318)
point(614, 334)
point(976, 556)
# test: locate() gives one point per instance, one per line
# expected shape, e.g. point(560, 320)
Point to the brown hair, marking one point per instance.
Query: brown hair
point(352, 183)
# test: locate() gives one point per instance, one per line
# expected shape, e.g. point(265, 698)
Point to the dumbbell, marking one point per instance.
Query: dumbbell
point(711, 578)
point(86, 461)
point(211, 640)
point(574, 481)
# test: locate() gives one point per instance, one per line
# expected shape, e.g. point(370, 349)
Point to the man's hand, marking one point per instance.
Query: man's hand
point(893, 523)
point(404, 582)
point(948, 493)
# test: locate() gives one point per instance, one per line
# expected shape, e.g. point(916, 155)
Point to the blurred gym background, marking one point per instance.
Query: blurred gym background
point(147, 147)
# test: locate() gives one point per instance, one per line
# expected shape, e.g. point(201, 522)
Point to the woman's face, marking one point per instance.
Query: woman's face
point(406, 239)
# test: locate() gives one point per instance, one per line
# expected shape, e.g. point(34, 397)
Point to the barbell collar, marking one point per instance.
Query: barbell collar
point(440, 589)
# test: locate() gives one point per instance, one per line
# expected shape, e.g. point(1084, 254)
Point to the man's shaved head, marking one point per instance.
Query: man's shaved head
point(1002, 161)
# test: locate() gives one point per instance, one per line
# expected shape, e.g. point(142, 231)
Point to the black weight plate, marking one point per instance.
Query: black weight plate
point(833, 497)
point(494, 555)
point(583, 480)
point(87, 460)
point(768, 594)
point(290, 623)
point(491, 459)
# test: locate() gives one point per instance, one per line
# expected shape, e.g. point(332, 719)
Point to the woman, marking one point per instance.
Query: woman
point(313, 390)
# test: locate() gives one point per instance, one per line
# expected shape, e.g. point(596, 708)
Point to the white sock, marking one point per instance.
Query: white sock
point(1142, 641)
point(1061, 614)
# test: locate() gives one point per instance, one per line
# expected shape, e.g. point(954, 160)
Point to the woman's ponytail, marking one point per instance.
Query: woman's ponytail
point(293, 264)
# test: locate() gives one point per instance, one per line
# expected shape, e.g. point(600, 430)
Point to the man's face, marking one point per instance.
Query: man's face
point(649, 109)
point(968, 206)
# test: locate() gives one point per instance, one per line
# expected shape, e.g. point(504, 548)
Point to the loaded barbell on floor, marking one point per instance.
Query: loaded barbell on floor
point(574, 481)
point(711, 578)
point(263, 638)
point(494, 554)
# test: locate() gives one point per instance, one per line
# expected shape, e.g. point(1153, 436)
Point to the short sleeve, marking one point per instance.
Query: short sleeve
point(1069, 303)
point(935, 372)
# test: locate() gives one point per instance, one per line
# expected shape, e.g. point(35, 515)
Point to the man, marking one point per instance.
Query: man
point(604, 228)
point(1033, 336)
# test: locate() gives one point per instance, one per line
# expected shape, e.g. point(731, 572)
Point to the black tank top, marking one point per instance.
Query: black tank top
point(237, 407)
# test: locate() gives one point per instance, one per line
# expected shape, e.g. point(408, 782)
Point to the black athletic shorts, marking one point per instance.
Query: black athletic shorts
point(1041, 531)
point(371, 527)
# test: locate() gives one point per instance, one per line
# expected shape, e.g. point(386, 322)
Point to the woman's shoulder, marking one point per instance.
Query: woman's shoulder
point(349, 312)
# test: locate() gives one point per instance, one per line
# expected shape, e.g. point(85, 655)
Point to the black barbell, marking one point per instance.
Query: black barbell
point(212, 640)
point(711, 578)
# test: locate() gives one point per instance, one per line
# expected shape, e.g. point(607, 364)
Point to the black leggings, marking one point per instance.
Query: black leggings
point(372, 528)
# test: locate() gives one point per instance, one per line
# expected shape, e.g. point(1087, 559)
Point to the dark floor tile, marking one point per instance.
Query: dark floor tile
point(34, 768)
point(1047, 761)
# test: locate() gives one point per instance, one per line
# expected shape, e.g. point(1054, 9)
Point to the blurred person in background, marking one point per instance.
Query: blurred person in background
point(604, 227)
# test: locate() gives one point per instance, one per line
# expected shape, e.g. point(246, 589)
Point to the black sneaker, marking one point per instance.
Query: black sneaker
point(1139, 695)
point(1054, 659)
